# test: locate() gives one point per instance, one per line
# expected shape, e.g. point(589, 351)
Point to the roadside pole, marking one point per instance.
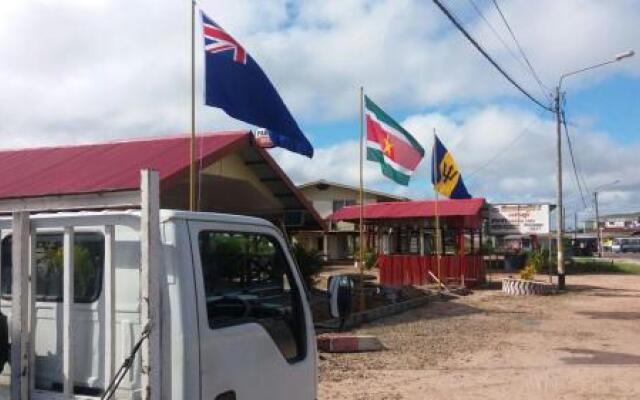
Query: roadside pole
point(559, 206)
point(556, 109)
point(435, 190)
point(599, 233)
point(192, 141)
point(361, 220)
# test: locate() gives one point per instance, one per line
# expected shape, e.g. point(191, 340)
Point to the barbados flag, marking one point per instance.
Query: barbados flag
point(445, 175)
point(390, 145)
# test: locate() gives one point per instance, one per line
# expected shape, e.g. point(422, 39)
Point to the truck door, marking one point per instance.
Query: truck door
point(256, 334)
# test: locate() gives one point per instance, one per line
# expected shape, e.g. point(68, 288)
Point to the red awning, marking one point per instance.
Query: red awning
point(412, 209)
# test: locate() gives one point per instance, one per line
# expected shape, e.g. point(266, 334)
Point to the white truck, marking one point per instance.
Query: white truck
point(218, 298)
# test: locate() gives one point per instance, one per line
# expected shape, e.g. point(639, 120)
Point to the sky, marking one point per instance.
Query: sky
point(79, 71)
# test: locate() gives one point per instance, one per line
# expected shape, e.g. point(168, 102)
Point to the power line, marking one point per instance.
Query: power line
point(573, 160)
point(543, 88)
point(503, 150)
point(457, 24)
point(577, 160)
point(515, 56)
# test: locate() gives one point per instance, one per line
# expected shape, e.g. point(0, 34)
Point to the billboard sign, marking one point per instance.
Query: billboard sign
point(519, 219)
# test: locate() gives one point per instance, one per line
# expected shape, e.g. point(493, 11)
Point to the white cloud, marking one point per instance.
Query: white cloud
point(505, 154)
point(77, 71)
point(338, 163)
point(111, 68)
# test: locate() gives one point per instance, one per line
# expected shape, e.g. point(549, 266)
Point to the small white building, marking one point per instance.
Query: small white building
point(630, 220)
point(339, 241)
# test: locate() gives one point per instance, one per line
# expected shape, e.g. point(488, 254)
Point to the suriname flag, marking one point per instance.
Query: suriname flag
point(390, 145)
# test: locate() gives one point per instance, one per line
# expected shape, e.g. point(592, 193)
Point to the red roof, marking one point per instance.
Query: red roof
point(103, 167)
point(412, 209)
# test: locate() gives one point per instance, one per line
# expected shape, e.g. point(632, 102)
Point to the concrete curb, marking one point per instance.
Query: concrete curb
point(519, 287)
point(362, 317)
point(332, 343)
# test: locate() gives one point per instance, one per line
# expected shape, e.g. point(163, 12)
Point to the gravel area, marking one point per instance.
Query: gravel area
point(489, 345)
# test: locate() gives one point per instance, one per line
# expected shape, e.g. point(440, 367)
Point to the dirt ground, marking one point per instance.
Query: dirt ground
point(584, 344)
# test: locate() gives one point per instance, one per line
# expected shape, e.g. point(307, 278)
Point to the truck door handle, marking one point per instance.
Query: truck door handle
point(228, 395)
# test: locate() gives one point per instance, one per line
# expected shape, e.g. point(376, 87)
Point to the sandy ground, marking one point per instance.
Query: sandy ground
point(581, 345)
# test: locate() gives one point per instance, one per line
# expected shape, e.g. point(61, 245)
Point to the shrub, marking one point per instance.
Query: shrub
point(370, 258)
point(488, 249)
point(528, 273)
point(539, 259)
point(309, 262)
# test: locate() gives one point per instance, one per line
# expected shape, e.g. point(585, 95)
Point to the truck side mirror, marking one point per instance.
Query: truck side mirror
point(340, 289)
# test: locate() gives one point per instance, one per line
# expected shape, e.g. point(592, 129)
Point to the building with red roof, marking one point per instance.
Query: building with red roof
point(421, 241)
point(234, 176)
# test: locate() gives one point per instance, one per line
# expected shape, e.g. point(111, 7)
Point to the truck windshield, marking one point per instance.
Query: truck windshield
point(247, 279)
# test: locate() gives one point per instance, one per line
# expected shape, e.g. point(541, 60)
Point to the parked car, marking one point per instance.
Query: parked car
point(626, 245)
point(584, 247)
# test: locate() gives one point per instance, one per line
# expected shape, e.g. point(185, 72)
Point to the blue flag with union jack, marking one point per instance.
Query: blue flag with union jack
point(235, 83)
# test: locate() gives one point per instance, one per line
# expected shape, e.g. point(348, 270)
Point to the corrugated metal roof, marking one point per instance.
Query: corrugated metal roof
point(412, 209)
point(323, 182)
point(105, 167)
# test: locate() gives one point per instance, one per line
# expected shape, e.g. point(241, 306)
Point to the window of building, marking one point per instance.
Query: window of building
point(294, 218)
point(88, 267)
point(340, 203)
point(247, 279)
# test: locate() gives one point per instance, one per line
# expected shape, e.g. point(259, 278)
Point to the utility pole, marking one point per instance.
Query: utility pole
point(575, 225)
point(559, 205)
point(556, 109)
point(599, 233)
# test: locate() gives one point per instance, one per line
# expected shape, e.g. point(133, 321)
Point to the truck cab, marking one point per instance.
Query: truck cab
point(252, 321)
point(229, 319)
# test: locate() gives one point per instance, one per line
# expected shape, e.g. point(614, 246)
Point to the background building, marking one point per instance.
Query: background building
point(339, 241)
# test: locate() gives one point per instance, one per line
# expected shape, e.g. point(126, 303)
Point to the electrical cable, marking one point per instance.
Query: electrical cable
point(581, 175)
point(457, 24)
point(573, 160)
point(503, 150)
point(545, 90)
point(516, 57)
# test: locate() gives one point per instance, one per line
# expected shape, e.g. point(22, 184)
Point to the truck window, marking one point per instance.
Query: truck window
point(247, 279)
point(88, 266)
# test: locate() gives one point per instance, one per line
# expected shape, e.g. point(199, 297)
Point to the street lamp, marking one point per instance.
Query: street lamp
point(595, 202)
point(626, 54)
point(558, 112)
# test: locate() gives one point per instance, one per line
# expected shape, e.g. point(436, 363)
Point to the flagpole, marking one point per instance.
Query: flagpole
point(192, 143)
point(435, 189)
point(361, 224)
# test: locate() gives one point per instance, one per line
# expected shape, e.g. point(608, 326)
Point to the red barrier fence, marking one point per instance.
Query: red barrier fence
point(400, 270)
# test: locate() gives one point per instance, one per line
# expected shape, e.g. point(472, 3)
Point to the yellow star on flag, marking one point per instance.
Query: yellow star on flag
point(388, 146)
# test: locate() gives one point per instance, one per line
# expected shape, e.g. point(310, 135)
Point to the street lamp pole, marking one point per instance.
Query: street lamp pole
point(598, 231)
point(558, 112)
point(595, 203)
point(559, 205)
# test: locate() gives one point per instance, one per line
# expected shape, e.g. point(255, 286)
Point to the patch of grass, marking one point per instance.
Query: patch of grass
point(596, 265)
